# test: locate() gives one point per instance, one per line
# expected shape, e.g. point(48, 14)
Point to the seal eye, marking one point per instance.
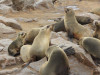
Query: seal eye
point(68, 10)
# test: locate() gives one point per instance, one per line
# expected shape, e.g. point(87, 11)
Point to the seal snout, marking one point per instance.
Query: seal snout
point(48, 26)
point(66, 9)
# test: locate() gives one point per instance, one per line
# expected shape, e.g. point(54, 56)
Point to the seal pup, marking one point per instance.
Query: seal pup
point(31, 35)
point(39, 45)
point(14, 47)
point(91, 45)
point(57, 63)
point(73, 28)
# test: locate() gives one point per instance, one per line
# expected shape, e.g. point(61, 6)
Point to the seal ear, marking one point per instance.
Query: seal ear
point(96, 23)
point(52, 27)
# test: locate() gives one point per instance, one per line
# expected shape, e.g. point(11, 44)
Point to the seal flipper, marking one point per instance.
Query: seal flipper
point(70, 35)
point(69, 50)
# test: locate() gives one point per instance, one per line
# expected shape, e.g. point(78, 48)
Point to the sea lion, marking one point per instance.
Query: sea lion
point(39, 45)
point(57, 63)
point(14, 47)
point(96, 11)
point(73, 28)
point(83, 20)
point(97, 31)
point(31, 35)
point(91, 45)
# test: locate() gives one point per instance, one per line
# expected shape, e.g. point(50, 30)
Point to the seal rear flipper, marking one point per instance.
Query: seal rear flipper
point(69, 51)
point(15, 55)
point(25, 65)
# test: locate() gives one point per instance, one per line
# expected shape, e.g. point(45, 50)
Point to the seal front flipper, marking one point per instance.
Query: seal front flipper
point(70, 35)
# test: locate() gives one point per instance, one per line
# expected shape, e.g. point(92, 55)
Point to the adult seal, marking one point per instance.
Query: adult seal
point(39, 45)
point(73, 28)
point(91, 45)
point(57, 63)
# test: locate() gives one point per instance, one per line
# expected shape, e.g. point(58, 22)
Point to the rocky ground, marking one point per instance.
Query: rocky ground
point(12, 22)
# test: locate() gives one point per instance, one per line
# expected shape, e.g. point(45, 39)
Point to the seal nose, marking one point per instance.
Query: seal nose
point(48, 26)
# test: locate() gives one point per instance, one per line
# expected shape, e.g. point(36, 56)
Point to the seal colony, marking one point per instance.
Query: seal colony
point(35, 45)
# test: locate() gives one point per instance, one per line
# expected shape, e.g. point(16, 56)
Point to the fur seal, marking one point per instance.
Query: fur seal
point(96, 11)
point(97, 31)
point(73, 28)
point(14, 47)
point(59, 26)
point(57, 63)
point(31, 35)
point(91, 45)
point(39, 45)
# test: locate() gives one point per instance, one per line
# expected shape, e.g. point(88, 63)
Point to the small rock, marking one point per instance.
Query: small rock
point(42, 4)
point(73, 7)
point(33, 69)
point(10, 22)
point(92, 16)
point(4, 9)
point(26, 19)
point(22, 4)
point(78, 68)
point(6, 30)
point(59, 34)
point(8, 71)
point(5, 43)
point(1, 48)
point(6, 2)
point(6, 60)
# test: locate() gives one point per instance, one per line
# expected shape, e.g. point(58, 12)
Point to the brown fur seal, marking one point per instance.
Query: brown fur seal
point(73, 27)
point(14, 47)
point(31, 35)
point(59, 26)
point(96, 11)
point(57, 64)
point(91, 45)
point(97, 31)
point(39, 46)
